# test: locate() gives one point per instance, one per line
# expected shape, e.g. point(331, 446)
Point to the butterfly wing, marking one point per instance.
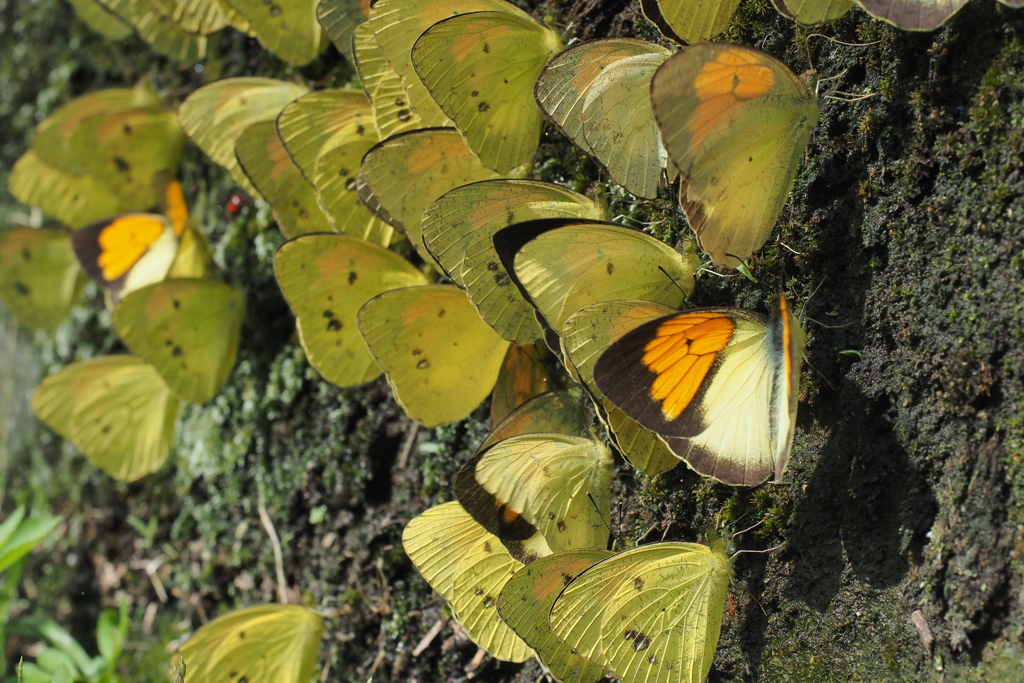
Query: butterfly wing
point(116, 410)
point(587, 333)
point(127, 252)
point(735, 123)
point(598, 94)
point(915, 15)
point(524, 604)
point(215, 115)
point(462, 562)
point(480, 68)
point(393, 113)
point(263, 644)
point(40, 279)
point(686, 21)
point(401, 176)
point(340, 18)
point(653, 613)
point(154, 23)
point(521, 378)
point(188, 330)
point(323, 119)
point(565, 265)
point(326, 279)
point(288, 28)
point(458, 229)
point(812, 12)
point(441, 360)
point(554, 412)
point(270, 169)
point(74, 200)
point(554, 485)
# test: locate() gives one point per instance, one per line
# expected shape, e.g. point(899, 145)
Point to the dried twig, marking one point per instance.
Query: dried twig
point(426, 640)
point(275, 542)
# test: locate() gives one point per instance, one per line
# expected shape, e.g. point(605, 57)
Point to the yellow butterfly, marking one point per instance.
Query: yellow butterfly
point(718, 385)
point(458, 230)
point(156, 24)
point(553, 412)
point(401, 176)
point(74, 200)
point(524, 604)
point(215, 115)
point(188, 329)
point(108, 25)
point(397, 24)
point(270, 169)
point(116, 410)
point(339, 19)
point(127, 252)
point(440, 358)
point(326, 279)
point(288, 28)
point(598, 94)
point(522, 377)
point(262, 644)
point(468, 567)
point(586, 334)
point(540, 493)
point(736, 123)
point(812, 12)
point(40, 279)
point(326, 133)
point(653, 613)
point(918, 15)
point(689, 21)
point(480, 68)
point(393, 112)
point(563, 265)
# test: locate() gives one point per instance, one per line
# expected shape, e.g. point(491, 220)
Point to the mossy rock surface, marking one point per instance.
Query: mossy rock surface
point(903, 241)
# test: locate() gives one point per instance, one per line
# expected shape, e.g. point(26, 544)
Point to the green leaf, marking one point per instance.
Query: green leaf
point(29, 532)
point(64, 641)
point(10, 524)
point(53, 660)
point(62, 675)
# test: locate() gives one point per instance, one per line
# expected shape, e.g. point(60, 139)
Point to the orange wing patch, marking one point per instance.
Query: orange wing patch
point(124, 241)
point(682, 352)
point(732, 78)
point(177, 211)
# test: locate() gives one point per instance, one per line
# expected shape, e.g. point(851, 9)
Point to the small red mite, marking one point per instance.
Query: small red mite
point(234, 204)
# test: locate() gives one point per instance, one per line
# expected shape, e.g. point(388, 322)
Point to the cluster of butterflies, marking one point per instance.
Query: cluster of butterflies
point(432, 158)
point(294, 29)
point(110, 152)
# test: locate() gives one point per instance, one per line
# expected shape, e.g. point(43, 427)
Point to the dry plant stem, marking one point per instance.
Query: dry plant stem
point(410, 439)
point(275, 542)
point(426, 640)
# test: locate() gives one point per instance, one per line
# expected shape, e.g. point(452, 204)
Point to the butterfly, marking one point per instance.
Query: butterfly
point(262, 644)
point(736, 123)
point(393, 112)
point(562, 265)
point(117, 410)
point(524, 604)
point(917, 15)
point(270, 169)
point(458, 230)
point(326, 279)
point(468, 567)
point(104, 153)
point(598, 94)
point(480, 68)
point(812, 12)
point(108, 25)
point(522, 377)
point(653, 613)
point(124, 253)
point(401, 176)
point(40, 279)
point(553, 412)
point(182, 38)
point(540, 493)
point(440, 358)
point(718, 385)
point(287, 28)
point(326, 133)
point(188, 329)
point(340, 19)
point(215, 115)
point(686, 21)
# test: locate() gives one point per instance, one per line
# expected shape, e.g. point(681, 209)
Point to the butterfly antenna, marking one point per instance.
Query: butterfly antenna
point(673, 281)
point(275, 542)
point(607, 522)
point(749, 528)
point(807, 44)
point(757, 552)
point(820, 374)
